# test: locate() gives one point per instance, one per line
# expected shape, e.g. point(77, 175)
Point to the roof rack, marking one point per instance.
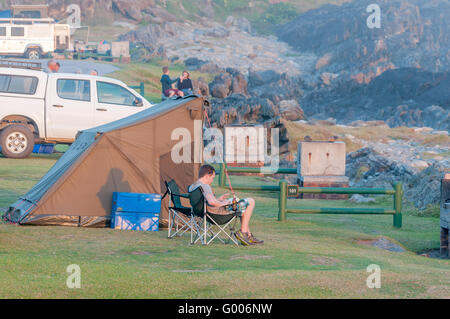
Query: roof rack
point(20, 64)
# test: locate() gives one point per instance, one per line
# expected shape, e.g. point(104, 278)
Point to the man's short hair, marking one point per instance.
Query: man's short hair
point(206, 170)
point(165, 69)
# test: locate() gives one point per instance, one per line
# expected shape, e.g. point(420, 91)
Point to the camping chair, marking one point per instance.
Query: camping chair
point(211, 221)
point(179, 216)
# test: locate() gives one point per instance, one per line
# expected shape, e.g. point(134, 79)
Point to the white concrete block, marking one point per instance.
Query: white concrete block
point(321, 159)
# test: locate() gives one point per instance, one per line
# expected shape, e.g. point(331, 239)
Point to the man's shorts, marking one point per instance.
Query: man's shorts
point(176, 91)
point(228, 209)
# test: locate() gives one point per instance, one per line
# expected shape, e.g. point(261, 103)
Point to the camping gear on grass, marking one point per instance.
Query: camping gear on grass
point(41, 148)
point(181, 218)
point(129, 155)
point(135, 221)
point(135, 211)
point(222, 223)
point(135, 202)
point(44, 148)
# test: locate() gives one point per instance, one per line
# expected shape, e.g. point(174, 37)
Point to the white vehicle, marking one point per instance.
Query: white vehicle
point(39, 107)
point(33, 38)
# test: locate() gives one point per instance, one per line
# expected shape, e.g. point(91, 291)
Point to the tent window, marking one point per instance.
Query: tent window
point(70, 89)
point(18, 84)
point(110, 93)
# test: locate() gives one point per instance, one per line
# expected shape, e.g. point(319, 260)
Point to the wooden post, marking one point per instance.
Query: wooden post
point(398, 204)
point(282, 201)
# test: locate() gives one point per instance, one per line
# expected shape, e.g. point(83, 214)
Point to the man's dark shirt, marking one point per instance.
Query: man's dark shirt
point(167, 82)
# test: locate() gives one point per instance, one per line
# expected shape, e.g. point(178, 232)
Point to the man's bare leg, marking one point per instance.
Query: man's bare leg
point(245, 219)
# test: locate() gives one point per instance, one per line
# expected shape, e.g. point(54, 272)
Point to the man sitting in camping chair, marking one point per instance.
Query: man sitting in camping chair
point(221, 206)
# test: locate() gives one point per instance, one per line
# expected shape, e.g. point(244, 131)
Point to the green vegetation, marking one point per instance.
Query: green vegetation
point(263, 15)
point(298, 131)
point(310, 256)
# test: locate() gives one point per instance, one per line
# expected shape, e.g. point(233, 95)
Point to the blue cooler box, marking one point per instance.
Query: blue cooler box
point(134, 211)
point(134, 202)
point(42, 148)
point(135, 221)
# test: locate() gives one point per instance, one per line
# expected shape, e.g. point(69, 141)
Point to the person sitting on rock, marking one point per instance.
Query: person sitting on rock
point(167, 84)
point(184, 84)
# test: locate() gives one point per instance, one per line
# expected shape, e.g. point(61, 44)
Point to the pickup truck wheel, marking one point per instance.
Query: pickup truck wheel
point(33, 54)
point(17, 141)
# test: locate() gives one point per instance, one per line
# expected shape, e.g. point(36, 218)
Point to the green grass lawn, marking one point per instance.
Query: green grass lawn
point(310, 256)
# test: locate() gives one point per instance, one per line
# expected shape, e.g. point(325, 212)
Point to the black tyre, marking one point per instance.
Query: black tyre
point(33, 54)
point(17, 141)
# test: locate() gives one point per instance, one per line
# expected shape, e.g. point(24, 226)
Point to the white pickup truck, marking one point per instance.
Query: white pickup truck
point(38, 107)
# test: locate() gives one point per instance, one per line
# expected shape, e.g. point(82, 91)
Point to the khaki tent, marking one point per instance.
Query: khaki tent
point(129, 155)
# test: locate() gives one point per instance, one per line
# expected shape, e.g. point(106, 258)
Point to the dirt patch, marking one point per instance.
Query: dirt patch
point(382, 243)
point(250, 257)
point(324, 261)
point(148, 253)
point(434, 253)
point(439, 292)
point(366, 242)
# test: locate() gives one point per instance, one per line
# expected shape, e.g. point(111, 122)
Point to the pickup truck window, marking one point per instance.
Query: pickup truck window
point(110, 93)
point(18, 84)
point(70, 89)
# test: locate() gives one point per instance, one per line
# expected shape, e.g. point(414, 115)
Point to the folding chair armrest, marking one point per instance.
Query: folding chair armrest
point(181, 195)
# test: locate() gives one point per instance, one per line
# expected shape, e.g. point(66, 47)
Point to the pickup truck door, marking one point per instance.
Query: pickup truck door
point(114, 102)
point(70, 107)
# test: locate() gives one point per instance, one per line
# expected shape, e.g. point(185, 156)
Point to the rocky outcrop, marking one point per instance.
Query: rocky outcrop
point(268, 98)
point(238, 109)
point(151, 38)
point(229, 82)
point(291, 110)
point(221, 86)
point(424, 188)
point(201, 86)
point(399, 73)
point(413, 33)
point(367, 168)
point(218, 46)
point(274, 85)
point(265, 93)
point(240, 23)
point(410, 97)
point(432, 116)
